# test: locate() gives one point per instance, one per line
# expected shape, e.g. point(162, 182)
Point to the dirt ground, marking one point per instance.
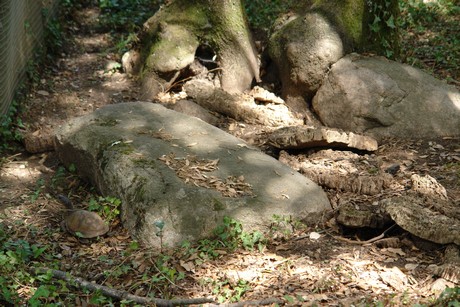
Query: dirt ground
point(326, 264)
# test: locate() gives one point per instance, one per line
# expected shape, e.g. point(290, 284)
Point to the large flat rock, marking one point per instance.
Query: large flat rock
point(178, 171)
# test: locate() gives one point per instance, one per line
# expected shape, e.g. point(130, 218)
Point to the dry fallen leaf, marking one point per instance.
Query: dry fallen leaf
point(189, 266)
point(314, 235)
point(43, 93)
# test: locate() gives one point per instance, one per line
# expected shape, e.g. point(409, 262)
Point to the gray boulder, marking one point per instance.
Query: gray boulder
point(178, 176)
point(383, 98)
point(192, 109)
point(303, 50)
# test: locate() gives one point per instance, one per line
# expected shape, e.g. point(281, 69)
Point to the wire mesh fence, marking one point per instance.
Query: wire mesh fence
point(22, 24)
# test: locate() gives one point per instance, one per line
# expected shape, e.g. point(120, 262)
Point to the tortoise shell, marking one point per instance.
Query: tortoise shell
point(85, 224)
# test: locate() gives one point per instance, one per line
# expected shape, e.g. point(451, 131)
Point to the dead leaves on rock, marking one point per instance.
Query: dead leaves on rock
point(160, 134)
point(193, 171)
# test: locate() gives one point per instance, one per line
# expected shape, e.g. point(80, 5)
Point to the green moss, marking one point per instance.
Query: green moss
point(347, 15)
point(351, 17)
point(144, 163)
point(293, 31)
point(173, 51)
point(173, 34)
point(107, 122)
point(103, 155)
point(217, 205)
point(365, 25)
point(229, 31)
point(140, 182)
point(187, 13)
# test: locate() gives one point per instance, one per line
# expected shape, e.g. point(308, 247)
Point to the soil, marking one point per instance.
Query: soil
point(325, 264)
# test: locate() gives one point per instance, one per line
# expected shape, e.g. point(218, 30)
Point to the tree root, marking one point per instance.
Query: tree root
point(241, 107)
point(119, 294)
point(123, 295)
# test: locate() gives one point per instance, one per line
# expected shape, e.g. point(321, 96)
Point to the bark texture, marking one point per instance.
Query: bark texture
point(171, 38)
point(232, 38)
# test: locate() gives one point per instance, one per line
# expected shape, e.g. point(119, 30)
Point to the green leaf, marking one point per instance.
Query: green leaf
point(42, 291)
point(72, 168)
point(289, 299)
point(159, 224)
point(37, 251)
point(391, 22)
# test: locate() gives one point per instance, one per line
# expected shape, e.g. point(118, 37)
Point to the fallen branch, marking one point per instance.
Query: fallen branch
point(119, 294)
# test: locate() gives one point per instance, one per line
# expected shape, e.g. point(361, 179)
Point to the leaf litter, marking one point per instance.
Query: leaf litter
point(294, 267)
point(193, 171)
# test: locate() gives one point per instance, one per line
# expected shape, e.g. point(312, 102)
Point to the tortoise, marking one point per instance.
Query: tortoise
point(82, 223)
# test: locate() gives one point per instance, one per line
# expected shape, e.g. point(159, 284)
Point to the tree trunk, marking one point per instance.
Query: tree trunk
point(232, 38)
point(367, 26)
point(172, 36)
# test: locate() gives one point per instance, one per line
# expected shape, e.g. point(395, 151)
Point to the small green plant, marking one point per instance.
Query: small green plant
point(373, 170)
point(124, 43)
point(231, 235)
point(383, 27)
point(42, 294)
point(99, 299)
point(133, 246)
point(61, 174)
point(54, 35)
point(108, 207)
point(449, 297)
point(165, 275)
point(72, 168)
point(285, 225)
point(125, 16)
point(58, 176)
point(160, 226)
point(10, 124)
point(39, 186)
point(430, 35)
point(15, 257)
point(227, 291)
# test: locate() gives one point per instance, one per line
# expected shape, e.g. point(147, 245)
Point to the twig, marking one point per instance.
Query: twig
point(187, 79)
point(381, 236)
point(119, 294)
point(167, 278)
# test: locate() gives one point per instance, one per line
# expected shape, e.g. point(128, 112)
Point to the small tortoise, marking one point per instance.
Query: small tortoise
point(82, 223)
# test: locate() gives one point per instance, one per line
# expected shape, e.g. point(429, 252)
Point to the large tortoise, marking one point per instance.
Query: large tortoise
point(82, 223)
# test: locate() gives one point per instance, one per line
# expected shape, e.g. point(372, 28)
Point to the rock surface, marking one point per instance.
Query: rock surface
point(299, 137)
point(178, 176)
point(192, 109)
point(303, 50)
point(362, 215)
point(415, 214)
point(428, 186)
point(382, 98)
